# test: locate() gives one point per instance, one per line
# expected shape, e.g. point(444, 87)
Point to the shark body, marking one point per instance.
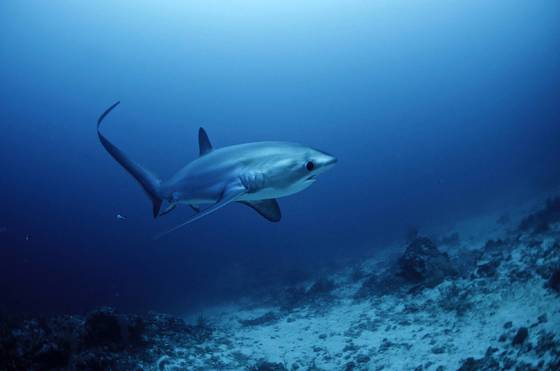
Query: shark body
point(255, 174)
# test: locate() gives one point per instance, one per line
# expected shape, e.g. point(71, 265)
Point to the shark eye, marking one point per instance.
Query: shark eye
point(310, 165)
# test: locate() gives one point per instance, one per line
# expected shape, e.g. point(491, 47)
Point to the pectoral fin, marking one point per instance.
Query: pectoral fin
point(269, 209)
point(230, 194)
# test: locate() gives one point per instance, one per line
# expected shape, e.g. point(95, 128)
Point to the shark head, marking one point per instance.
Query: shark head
point(316, 162)
point(293, 168)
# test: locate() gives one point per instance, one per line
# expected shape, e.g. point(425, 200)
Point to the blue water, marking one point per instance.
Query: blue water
point(436, 110)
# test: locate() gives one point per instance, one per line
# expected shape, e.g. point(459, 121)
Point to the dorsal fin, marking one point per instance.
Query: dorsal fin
point(203, 142)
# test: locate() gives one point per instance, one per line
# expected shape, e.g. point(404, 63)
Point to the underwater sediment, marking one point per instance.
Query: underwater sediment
point(484, 302)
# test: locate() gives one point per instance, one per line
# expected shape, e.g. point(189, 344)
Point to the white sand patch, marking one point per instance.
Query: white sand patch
point(390, 337)
point(434, 329)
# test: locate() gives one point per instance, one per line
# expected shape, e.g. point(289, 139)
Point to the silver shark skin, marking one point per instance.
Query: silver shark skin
point(266, 169)
point(255, 174)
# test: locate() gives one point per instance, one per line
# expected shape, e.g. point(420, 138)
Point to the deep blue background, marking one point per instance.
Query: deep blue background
point(436, 110)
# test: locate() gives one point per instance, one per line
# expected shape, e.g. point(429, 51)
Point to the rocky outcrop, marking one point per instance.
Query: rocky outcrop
point(296, 296)
point(515, 356)
point(541, 220)
point(104, 327)
point(265, 319)
point(102, 340)
point(321, 287)
point(422, 263)
point(268, 366)
point(554, 280)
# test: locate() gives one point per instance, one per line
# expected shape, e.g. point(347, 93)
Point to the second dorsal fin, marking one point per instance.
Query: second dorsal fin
point(204, 144)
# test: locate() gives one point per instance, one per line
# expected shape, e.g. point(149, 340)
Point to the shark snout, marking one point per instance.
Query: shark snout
point(331, 161)
point(326, 162)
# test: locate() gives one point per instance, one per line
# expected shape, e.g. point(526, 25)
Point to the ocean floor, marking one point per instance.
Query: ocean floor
point(485, 295)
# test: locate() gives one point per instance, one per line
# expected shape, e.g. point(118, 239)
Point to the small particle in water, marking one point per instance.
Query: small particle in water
point(3, 229)
point(121, 217)
point(27, 237)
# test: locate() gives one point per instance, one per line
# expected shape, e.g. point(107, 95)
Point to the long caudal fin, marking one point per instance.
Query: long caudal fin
point(149, 182)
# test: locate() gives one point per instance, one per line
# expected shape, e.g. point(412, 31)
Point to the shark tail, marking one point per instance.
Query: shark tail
point(149, 182)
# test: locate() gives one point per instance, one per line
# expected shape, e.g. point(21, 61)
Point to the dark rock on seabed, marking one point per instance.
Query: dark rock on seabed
point(520, 336)
point(296, 296)
point(541, 220)
point(267, 318)
point(322, 286)
point(508, 359)
point(421, 266)
point(422, 262)
point(102, 340)
point(268, 366)
point(102, 327)
point(554, 280)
